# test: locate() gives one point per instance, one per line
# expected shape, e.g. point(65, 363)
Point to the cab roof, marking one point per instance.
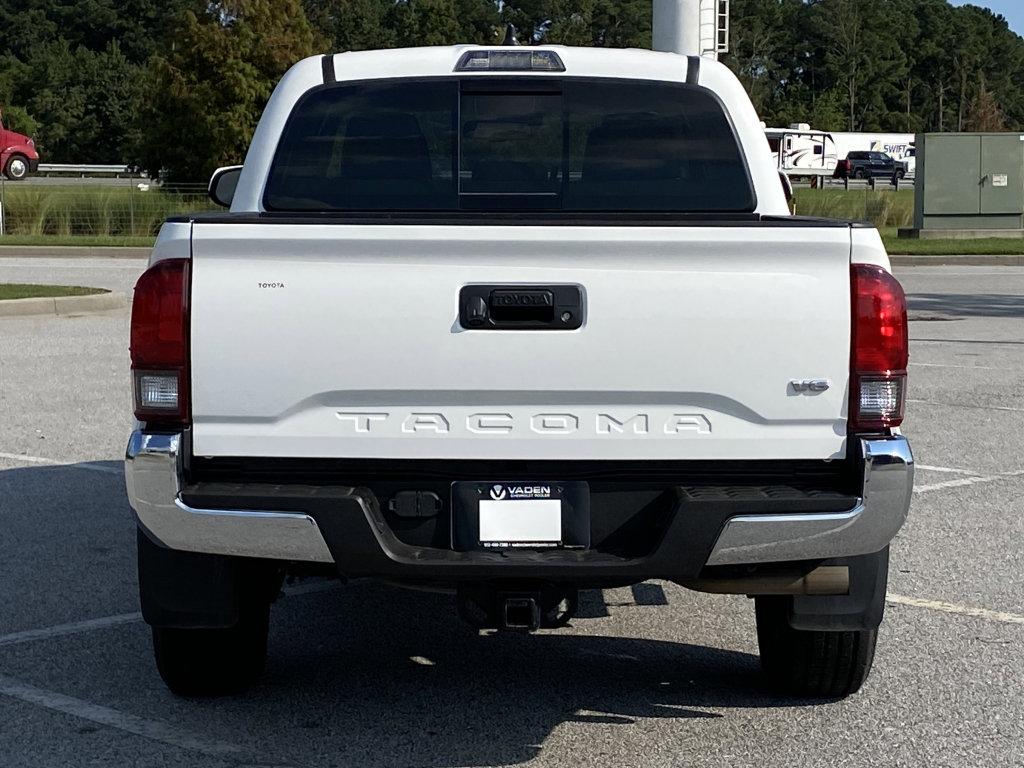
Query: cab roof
point(438, 61)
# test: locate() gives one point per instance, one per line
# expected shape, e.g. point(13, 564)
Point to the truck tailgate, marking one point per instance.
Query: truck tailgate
point(321, 340)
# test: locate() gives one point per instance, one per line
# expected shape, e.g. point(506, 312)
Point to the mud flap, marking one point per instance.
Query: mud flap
point(188, 590)
point(861, 609)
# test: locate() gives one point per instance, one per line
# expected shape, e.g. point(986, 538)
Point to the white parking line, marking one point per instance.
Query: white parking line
point(25, 458)
point(89, 625)
point(74, 628)
point(948, 470)
point(962, 367)
point(962, 610)
point(91, 466)
point(135, 265)
point(310, 587)
point(1004, 408)
point(122, 721)
point(96, 467)
point(964, 481)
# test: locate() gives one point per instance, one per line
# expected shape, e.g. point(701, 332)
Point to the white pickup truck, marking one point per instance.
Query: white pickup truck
point(512, 323)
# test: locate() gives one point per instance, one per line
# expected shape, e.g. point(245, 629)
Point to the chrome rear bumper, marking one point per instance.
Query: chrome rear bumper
point(868, 527)
point(153, 472)
point(153, 479)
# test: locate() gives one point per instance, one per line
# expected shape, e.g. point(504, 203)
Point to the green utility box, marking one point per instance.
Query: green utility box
point(969, 185)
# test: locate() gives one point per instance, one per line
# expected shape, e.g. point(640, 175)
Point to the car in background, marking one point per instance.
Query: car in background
point(866, 165)
point(18, 156)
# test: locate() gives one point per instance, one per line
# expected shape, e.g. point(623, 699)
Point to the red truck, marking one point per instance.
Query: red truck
point(18, 156)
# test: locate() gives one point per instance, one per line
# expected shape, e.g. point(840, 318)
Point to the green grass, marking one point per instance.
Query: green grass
point(125, 214)
point(884, 208)
point(94, 216)
point(93, 211)
point(890, 210)
point(89, 241)
point(28, 291)
point(985, 247)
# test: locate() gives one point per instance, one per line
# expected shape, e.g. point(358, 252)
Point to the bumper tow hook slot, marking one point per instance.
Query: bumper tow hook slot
point(521, 613)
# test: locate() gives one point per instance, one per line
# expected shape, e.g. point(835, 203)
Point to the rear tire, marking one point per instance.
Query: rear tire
point(213, 662)
point(811, 663)
point(858, 174)
point(210, 616)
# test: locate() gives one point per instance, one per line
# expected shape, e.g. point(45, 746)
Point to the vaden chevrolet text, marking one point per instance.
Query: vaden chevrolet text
point(512, 323)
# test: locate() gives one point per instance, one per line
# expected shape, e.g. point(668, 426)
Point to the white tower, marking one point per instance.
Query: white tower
point(691, 27)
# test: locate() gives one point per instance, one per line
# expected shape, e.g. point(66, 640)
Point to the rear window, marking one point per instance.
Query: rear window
point(509, 144)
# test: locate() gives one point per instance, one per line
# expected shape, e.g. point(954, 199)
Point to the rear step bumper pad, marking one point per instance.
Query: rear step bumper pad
point(868, 527)
point(363, 545)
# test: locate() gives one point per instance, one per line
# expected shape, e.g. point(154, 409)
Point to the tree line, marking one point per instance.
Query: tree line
point(176, 86)
point(879, 65)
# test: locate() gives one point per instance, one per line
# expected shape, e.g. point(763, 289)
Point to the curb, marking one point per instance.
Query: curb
point(956, 261)
point(63, 305)
point(74, 252)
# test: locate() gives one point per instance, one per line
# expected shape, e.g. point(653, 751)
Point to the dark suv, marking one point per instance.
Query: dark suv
point(864, 165)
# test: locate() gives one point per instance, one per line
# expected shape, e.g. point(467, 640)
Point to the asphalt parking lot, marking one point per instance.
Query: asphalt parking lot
point(368, 675)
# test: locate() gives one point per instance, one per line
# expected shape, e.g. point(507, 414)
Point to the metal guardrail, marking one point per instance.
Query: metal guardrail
point(83, 169)
point(877, 183)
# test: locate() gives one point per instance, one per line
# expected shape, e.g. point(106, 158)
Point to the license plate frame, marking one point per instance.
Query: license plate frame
point(512, 499)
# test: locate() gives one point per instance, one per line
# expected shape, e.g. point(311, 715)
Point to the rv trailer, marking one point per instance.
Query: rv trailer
point(801, 151)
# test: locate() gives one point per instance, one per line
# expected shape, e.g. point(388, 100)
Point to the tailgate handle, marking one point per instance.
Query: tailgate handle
point(521, 307)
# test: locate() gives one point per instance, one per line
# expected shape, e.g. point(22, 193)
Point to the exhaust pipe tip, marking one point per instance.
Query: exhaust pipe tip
point(825, 580)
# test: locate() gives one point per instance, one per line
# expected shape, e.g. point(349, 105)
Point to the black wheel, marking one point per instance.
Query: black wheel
point(213, 662)
point(16, 168)
point(900, 175)
point(859, 173)
point(816, 664)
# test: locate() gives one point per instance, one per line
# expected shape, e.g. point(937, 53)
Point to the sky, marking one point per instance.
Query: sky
point(1013, 10)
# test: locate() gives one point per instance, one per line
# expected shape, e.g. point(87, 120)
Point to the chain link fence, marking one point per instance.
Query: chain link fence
point(127, 207)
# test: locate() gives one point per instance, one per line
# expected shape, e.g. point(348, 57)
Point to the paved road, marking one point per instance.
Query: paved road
point(368, 675)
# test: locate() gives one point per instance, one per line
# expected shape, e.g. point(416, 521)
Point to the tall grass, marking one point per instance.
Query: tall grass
point(884, 209)
point(120, 212)
point(93, 211)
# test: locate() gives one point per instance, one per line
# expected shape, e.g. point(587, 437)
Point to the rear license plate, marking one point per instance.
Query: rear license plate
point(520, 515)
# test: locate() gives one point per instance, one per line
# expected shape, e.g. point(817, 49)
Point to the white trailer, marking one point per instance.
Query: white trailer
point(896, 145)
point(802, 151)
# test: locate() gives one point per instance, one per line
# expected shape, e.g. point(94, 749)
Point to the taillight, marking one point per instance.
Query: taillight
point(878, 363)
point(159, 344)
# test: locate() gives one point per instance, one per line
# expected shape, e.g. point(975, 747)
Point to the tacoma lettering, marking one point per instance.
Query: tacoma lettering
point(541, 424)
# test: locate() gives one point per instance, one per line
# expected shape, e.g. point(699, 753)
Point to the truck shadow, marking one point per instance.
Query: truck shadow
point(366, 674)
point(393, 678)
